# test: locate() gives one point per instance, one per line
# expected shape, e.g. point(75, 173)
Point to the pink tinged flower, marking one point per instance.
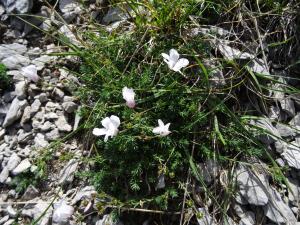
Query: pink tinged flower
point(162, 129)
point(30, 72)
point(173, 60)
point(128, 95)
point(110, 129)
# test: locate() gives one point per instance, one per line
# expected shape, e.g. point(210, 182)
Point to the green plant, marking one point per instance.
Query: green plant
point(129, 165)
point(206, 120)
point(5, 80)
point(22, 181)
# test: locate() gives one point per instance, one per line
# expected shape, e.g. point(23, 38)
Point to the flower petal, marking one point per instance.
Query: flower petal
point(161, 123)
point(180, 64)
point(128, 94)
point(156, 130)
point(105, 122)
point(115, 120)
point(106, 138)
point(99, 132)
point(166, 56)
point(174, 55)
point(167, 126)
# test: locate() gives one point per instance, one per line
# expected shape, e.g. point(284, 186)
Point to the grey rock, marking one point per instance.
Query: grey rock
point(26, 115)
point(271, 133)
point(30, 193)
point(41, 61)
point(208, 30)
point(2, 133)
point(4, 175)
point(47, 126)
point(15, 62)
point(69, 107)
point(4, 219)
point(46, 25)
point(59, 94)
point(67, 174)
point(12, 193)
point(68, 98)
point(2, 11)
point(36, 211)
point(285, 130)
point(62, 213)
point(20, 89)
point(24, 137)
point(87, 192)
point(62, 124)
point(295, 122)
point(288, 106)
point(7, 50)
point(247, 218)
point(52, 107)
point(9, 222)
point(115, 14)
point(13, 162)
point(70, 9)
point(292, 155)
point(15, 111)
point(53, 134)
point(40, 141)
point(4, 108)
point(275, 113)
point(293, 192)
point(66, 31)
point(258, 66)
point(20, 6)
point(252, 187)
point(8, 97)
point(11, 211)
point(277, 211)
point(253, 63)
point(23, 166)
point(43, 97)
point(35, 107)
point(40, 115)
point(51, 116)
point(280, 146)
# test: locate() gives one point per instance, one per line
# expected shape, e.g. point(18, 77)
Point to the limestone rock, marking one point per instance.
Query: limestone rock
point(13, 162)
point(15, 111)
point(67, 174)
point(23, 166)
point(277, 211)
point(252, 187)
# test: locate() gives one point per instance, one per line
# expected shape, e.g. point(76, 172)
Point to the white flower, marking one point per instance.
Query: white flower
point(162, 129)
point(110, 129)
point(30, 72)
point(173, 60)
point(62, 212)
point(128, 95)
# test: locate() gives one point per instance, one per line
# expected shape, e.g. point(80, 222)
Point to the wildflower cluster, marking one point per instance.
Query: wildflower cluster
point(153, 113)
point(112, 123)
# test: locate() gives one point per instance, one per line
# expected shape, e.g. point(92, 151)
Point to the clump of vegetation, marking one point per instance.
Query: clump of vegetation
point(136, 167)
point(5, 80)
